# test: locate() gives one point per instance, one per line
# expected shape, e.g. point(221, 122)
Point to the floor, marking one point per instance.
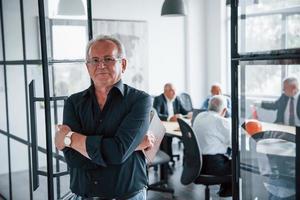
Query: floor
point(182, 192)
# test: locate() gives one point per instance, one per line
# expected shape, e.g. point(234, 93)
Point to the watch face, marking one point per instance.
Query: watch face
point(67, 141)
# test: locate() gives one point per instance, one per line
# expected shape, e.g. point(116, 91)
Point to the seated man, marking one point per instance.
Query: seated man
point(216, 90)
point(288, 104)
point(213, 132)
point(169, 108)
point(168, 105)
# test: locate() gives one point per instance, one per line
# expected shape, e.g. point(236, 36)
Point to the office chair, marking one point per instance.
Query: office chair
point(186, 101)
point(275, 152)
point(161, 159)
point(195, 113)
point(187, 105)
point(192, 162)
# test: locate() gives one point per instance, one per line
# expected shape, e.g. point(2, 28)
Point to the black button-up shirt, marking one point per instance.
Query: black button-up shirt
point(115, 170)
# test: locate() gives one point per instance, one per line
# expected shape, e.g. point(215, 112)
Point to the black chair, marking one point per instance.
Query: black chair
point(186, 101)
point(161, 159)
point(192, 162)
point(276, 162)
point(195, 113)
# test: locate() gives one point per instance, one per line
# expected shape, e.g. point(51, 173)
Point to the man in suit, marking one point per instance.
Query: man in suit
point(168, 105)
point(216, 90)
point(288, 104)
point(169, 108)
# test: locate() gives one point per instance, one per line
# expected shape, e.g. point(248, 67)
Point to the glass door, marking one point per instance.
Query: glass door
point(265, 51)
point(42, 50)
point(267, 145)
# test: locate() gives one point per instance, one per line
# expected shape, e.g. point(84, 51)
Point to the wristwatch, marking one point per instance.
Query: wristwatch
point(68, 139)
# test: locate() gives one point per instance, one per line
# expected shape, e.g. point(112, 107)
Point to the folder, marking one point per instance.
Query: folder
point(158, 130)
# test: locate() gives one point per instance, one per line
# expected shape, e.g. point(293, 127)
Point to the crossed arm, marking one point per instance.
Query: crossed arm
point(88, 151)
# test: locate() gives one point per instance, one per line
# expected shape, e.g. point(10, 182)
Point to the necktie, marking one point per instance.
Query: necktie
point(292, 114)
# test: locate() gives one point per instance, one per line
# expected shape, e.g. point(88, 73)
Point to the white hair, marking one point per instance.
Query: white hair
point(291, 81)
point(117, 42)
point(217, 103)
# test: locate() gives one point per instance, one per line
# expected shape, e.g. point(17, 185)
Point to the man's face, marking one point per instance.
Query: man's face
point(290, 89)
point(215, 90)
point(170, 92)
point(104, 67)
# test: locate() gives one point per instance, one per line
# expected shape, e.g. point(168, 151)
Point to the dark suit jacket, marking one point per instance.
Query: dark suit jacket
point(280, 105)
point(160, 105)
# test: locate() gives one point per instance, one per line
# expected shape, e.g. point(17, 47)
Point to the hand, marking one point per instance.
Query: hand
point(147, 143)
point(189, 115)
point(61, 132)
point(175, 117)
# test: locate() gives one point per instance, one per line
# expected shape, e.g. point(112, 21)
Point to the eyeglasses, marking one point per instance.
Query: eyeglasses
point(107, 61)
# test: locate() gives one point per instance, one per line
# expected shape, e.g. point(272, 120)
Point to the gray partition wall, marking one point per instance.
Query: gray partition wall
point(37, 44)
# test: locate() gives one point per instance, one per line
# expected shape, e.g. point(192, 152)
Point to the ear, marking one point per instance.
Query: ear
point(124, 65)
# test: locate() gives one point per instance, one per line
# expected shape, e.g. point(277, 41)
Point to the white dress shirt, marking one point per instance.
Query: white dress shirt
point(287, 111)
point(170, 108)
point(213, 133)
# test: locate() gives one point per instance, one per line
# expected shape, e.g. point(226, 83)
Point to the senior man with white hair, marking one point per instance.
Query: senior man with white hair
point(288, 104)
point(213, 133)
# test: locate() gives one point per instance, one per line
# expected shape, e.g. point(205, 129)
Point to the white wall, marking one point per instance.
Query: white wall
point(190, 51)
point(206, 47)
point(215, 34)
point(196, 55)
point(166, 38)
point(186, 51)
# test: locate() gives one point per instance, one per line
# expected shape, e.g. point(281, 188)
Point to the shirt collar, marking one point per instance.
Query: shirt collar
point(168, 100)
point(119, 86)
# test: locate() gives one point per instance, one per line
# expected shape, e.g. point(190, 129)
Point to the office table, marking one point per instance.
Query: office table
point(278, 127)
point(172, 128)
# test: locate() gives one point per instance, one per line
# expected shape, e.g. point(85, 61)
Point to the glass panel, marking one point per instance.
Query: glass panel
point(31, 29)
point(294, 70)
point(63, 182)
point(71, 47)
point(70, 78)
point(41, 192)
point(264, 6)
point(4, 181)
point(34, 72)
point(2, 100)
point(12, 30)
point(265, 83)
point(266, 25)
point(16, 101)
point(293, 31)
point(267, 149)
point(1, 47)
point(20, 170)
point(263, 33)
